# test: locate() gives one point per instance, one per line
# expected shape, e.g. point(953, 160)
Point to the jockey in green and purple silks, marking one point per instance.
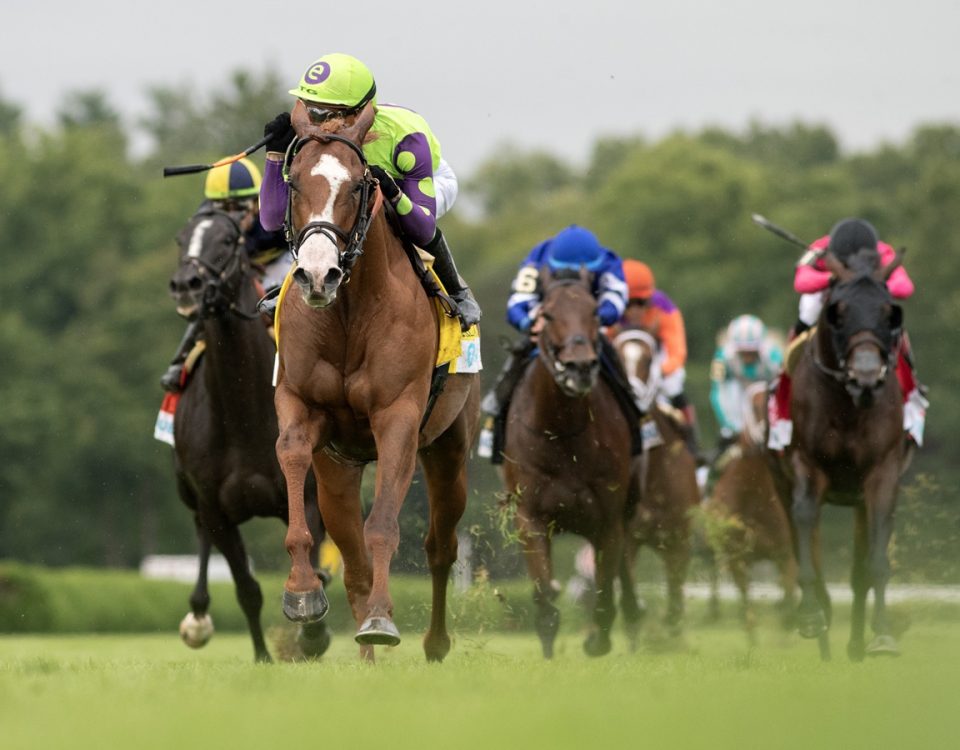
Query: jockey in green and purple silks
point(404, 156)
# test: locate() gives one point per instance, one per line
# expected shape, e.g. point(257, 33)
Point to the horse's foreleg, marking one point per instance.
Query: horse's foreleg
point(227, 538)
point(395, 431)
point(805, 517)
point(860, 583)
point(196, 628)
point(536, 553)
point(880, 493)
point(303, 596)
point(338, 494)
point(608, 553)
point(633, 611)
point(446, 473)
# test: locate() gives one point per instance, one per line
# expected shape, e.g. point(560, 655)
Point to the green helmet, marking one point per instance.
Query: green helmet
point(338, 80)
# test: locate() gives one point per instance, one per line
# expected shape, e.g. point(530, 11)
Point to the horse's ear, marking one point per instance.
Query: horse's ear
point(896, 317)
point(883, 274)
point(357, 131)
point(835, 266)
point(546, 277)
point(300, 119)
point(833, 312)
point(586, 276)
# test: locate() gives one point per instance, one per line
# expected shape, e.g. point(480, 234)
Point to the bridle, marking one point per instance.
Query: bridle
point(221, 283)
point(554, 366)
point(351, 240)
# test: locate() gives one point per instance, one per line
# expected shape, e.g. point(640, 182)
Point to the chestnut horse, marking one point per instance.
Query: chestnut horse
point(225, 424)
point(744, 503)
point(567, 460)
point(354, 381)
point(668, 478)
point(847, 446)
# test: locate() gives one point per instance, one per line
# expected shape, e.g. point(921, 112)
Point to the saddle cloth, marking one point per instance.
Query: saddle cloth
point(163, 427)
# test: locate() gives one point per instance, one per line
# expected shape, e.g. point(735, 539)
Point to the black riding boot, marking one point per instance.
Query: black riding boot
point(170, 380)
point(495, 403)
point(689, 428)
point(467, 308)
point(612, 369)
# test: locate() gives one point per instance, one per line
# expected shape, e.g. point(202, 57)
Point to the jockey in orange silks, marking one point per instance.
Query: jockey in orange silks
point(811, 281)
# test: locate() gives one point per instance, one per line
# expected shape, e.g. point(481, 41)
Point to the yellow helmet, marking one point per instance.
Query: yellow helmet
point(241, 179)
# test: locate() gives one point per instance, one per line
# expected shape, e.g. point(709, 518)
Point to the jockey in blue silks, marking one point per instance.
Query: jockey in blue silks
point(569, 251)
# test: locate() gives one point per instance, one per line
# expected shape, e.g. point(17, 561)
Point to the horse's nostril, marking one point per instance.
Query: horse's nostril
point(333, 276)
point(302, 277)
point(173, 287)
point(195, 284)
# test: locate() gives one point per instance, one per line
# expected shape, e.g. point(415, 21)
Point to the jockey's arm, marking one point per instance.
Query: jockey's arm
point(673, 338)
point(611, 290)
point(416, 206)
point(718, 374)
point(900, 284)
point(525, 291)
point(274, 193)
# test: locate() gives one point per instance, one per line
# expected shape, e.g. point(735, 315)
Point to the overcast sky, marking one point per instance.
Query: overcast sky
point(551, 74)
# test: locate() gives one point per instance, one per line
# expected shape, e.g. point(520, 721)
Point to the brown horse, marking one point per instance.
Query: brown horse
point(567, 460)
point(847, 446)
point(225, 424)
point(668, 477)
point(751, 521)
point(354, 380)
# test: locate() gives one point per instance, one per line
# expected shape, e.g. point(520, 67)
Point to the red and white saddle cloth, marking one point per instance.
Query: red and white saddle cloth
point(914, 407)
point(163, 427)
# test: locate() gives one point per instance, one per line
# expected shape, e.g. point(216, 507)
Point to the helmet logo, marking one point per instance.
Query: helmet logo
point(317, 73)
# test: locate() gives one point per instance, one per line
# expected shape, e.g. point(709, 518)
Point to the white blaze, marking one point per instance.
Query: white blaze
point(318, 254)
point(196, 239)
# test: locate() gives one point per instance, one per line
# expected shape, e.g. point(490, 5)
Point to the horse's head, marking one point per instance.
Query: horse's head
point(331, 201)
point(569, 338)
point(213, 264)
point(863, 323)
point(638, 350)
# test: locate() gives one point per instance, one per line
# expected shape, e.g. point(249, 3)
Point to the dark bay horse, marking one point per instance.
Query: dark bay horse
point(668, 480)
point(225, 425)
point(354, 386)
point(744, 505)
point(567, 460)
point(847, 445)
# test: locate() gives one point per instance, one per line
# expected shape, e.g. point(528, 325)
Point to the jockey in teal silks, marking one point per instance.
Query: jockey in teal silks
point(403, 154)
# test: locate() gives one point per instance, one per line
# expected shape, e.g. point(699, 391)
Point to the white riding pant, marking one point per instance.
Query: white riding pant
point(810, 306)
point(672, 384)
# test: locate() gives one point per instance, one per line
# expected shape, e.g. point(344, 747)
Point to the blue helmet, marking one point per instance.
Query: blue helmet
point(573, 248)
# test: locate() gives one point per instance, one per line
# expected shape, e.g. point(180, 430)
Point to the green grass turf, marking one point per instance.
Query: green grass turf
point(492, 692)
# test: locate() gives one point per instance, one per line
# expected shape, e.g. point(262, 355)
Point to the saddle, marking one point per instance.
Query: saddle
point(795, 350)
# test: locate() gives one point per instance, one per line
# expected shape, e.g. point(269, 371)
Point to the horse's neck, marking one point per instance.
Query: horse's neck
point(554, 410)
point(238, 359)
point(383, 259)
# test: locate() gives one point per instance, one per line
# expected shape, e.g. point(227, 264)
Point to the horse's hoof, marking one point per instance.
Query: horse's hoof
point(883, 645)
point(313, 640)
point(597, 644)
point(305, 606)
point(855, 651)
point(378, 631)
point(811, 624)
point(195, 631)
point(436, 647)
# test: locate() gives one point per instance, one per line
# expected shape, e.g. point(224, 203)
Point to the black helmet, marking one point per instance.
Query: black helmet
point(850, 236)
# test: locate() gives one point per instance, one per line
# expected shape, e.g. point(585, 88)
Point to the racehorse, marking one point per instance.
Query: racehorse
point(744, 504)
point(354, 386)
point(225, 424)
point(847, 445)
point(567, 460)
point(668, 477)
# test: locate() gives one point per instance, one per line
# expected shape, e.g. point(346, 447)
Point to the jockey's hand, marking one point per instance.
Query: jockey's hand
point(387, 186)
point(280, 131)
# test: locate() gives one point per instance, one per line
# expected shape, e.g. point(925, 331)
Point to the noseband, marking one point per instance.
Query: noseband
point(219, 289)
point(352, 240)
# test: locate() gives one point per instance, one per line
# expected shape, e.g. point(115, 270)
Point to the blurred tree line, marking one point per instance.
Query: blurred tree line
point(86, 326)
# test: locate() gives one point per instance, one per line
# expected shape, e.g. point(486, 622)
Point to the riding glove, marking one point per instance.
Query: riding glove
point(387, 186)
point(280, 131)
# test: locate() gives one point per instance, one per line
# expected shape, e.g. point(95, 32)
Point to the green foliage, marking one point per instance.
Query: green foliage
point(87, 327)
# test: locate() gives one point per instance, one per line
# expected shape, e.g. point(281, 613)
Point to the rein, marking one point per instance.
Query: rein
point(353, 239)
point(218, 294)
